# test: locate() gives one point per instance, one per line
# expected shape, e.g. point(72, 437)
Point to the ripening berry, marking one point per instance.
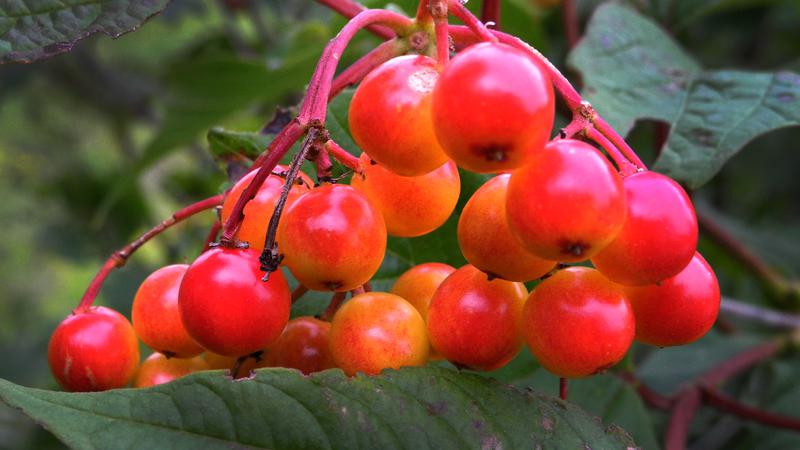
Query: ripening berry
point(567, 203)
point(156, 317)
point(411, 206)
point(93, 350)
point(475, 322)
point(259, 209)
point(678, 310)
point(486, 240)
point(374, 331)
point(303, 345)
point(226, 307)
point(578, 323)
point(659, 237)
point(333, 238)
point(418, 284)
point(493, 108)
point(390, 116)
point(158, 369)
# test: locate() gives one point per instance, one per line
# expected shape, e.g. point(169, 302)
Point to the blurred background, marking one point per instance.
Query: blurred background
point(100, 144)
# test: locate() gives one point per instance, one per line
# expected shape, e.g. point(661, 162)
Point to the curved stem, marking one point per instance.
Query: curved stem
point(473, 23)
point(682, 414)
point(299, 292)
point(344, 157)
point(316, 100)
point(349, 8)
point(623, 165)
point(212, 234)
point(741, 361)
point(120, 257)
point(733, 406)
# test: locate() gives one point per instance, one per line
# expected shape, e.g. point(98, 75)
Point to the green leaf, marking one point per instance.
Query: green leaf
point(225, 144)
point(31, 30)
point(279, 408)
point(633, 70)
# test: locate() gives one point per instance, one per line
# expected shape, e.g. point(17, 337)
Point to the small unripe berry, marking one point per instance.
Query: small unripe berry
point(374, 331)
point(390, 116)
point(156, 317)
point(487, 241)
point(158, 369)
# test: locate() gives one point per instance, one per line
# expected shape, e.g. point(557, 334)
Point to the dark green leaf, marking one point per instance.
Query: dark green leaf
point(225, 144)
point(31, 30)
point(633, 70)
point(411, 408)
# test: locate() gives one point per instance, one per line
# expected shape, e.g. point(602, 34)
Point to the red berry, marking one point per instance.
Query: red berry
point(390, 116)
point(411, 206)
point(226, 307)
point(259, 209)
point(567, 203)
point(333, 238)
point(659, 237)
point(93, 350)
point(303, 345)
point(486, 240)
point(158, 369)
point(374, 331)
point(156, 317)
point(475, 322)
point(678, 310)
point(493, 108)
point(578, 323)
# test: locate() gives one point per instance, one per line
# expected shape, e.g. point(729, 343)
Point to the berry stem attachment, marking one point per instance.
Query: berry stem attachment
point(624, 166)
point(333, 306)
point(344, 157)
point(270, 258)
point(120, 257)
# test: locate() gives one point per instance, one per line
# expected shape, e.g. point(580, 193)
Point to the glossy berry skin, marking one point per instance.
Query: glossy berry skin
point(333, 238)
point(678, 310)
point(93, 350)
point(259, 209)
point(578, 323)
point(475, 322)
point(411, 206)
point(158, 369)
point(390, 116)
point(659, 237)
point(486, 240)
point(155, 315)
point(493, 108)
point(303, 345)
point(374, 331)
point(567, 203)
point(226, 307)
point(418, 284)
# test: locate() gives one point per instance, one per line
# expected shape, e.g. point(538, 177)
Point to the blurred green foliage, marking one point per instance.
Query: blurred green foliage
point(99, 144)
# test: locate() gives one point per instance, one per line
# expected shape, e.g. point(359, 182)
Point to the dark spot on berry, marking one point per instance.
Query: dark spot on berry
point(492, 152)
point(575, 248)
point(332, 285)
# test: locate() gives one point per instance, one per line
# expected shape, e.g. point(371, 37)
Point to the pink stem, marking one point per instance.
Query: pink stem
point(349, 8)
point(625, 167)
point(315, 103)
point(473, 23)
point(344, 157)
point(120, 257)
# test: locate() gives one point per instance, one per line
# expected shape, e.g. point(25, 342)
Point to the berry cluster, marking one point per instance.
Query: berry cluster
point(550, 203)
